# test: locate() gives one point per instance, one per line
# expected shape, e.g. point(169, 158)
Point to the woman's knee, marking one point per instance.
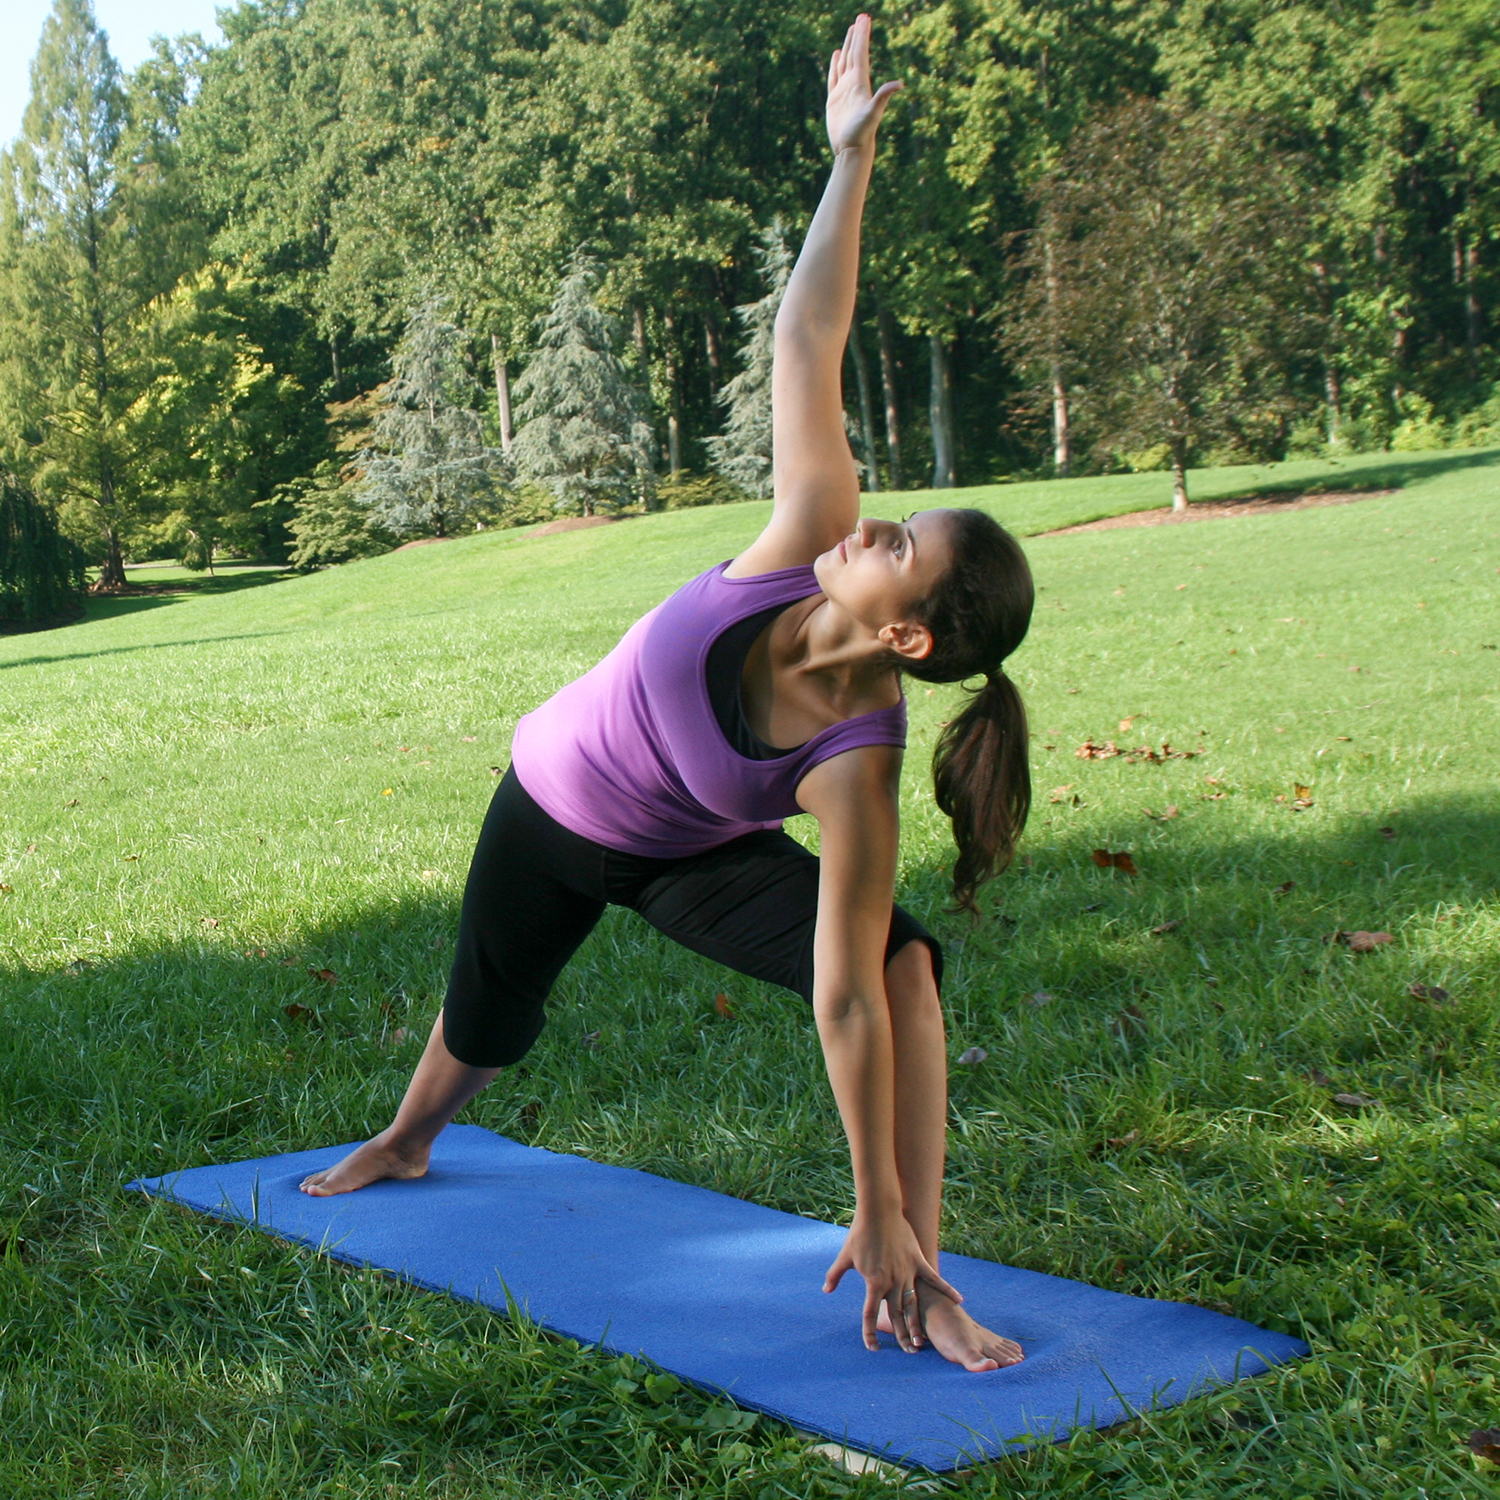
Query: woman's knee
point(911, 978)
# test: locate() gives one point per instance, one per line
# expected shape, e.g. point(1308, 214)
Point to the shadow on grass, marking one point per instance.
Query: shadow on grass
point(1394, 474)
point(210, 640)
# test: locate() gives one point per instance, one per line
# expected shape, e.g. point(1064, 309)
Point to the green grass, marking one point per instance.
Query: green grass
point(203, 797)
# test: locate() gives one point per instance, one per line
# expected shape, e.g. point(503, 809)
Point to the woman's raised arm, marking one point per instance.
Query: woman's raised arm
point(816, 488)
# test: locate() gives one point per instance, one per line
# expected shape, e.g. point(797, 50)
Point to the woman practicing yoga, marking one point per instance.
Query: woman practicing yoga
point(767, 686)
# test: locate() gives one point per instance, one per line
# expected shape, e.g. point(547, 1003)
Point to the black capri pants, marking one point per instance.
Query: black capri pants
point(536, 889)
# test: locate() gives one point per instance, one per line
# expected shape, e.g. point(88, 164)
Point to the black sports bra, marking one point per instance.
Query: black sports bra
point(725, 667)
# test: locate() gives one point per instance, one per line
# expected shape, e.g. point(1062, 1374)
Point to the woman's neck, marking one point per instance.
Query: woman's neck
point(830, 650)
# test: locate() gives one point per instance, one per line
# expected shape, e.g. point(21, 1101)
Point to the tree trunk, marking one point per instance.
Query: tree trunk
point(502, 395)
point(888, 389)
point(940, 408)
point(713, 351)
point(1472, 321)
point(866, 407)
point(333, 360)
point(112, 571)
point(1062, 452)
point(1179, 476)
point(674, 393)
point(1334, 400)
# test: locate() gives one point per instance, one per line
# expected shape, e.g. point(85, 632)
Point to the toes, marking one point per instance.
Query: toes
point(981, 1365)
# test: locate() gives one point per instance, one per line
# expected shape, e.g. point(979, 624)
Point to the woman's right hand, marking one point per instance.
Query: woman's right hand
point(883, 1248)
point(853, 110)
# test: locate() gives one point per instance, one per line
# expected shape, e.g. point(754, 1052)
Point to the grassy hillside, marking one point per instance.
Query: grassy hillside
point(204, 799)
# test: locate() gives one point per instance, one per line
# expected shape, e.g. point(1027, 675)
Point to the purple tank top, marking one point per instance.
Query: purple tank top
point(630, 754)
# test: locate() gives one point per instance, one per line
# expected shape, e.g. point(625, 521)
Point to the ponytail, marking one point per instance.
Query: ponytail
point(978, 615)
point(983, 783)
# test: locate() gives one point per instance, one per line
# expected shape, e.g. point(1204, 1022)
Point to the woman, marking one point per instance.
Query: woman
point(764, 687)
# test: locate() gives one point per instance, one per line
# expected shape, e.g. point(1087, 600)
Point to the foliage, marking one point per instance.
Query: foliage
point(429, 472)
point(582, 434)
point(1169, 276)
point(42, 572)
point(742, 454)
point(686, 490)
point(329, 524)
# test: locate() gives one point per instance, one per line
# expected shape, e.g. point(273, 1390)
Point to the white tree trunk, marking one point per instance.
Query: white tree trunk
point(502, 395)
point(940, 407)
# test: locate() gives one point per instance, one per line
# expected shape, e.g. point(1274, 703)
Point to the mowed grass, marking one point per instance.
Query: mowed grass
point(204, 799)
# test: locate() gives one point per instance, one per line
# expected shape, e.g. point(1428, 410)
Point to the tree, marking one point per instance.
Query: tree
point(583, 435)
point(92, 231)
point(742, 452)
point(42, 571)
point(1177, 290)
point(430, 470)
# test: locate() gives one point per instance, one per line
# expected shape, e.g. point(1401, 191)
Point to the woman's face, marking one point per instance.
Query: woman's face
point(883, 569)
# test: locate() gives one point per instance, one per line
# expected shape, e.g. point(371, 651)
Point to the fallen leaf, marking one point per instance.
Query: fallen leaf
point(292, 962)
point(1125, 723)
point(398, 1037)
point(429, 874)
point(1434, 994)
point(1318, 1077)
point(73, 803)
point(1120, 861)
point(1303, 798)
point(210, 921)
point(1284, 887)
point(31, 848)
point(1119, 1270)
point(1355, 1101)
point(1386, 833)
point(721, 1004)
point(297, 1012)
point(1097, 906)
point(1128, 1022)
point(1180, 587)
point(326, 975)
point(1485, 1442)
point(1214, 797)
point(1040, 997)
point(1060, 793)
point(972, 1056)
point(470, 738)
point(1366, 942)
point(497, 770)
point(1123, 1140)
point(1343, 739)
point(1164, 816)
point(5, 889)
point(128, 857)
point(1167, 927)
point(387, 792)
point(530, 1111)
point(591, 1040)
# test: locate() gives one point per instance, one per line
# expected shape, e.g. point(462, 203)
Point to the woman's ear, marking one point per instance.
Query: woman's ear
point(907, 638)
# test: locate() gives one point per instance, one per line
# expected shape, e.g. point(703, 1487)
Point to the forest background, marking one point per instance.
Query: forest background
point(369, 271)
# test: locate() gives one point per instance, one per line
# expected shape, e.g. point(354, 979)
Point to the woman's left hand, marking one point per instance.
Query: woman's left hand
point(883, 1248)
point(853, 110)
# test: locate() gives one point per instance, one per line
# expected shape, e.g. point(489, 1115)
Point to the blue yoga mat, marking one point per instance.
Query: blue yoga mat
point(728, 1295)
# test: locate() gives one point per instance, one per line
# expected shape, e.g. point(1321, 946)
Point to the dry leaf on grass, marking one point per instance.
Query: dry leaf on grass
point(721, 1004)
point(1284, 887)
point(1040, 997)
point(1107, 750)
point(210, 921)
point(297, 1012)
point(1166, 815)
point(1360, 942)
point(1119, 861)
point(1355, 1101)
point(1166, 927)
point(1125, 723)
point(591, 1040)
point(326, 976)
point(1386, 833)
point(1129, 1022)
point(1060, 793)
point(1434, 994)
point(1485, 1442)
point(1318, 1078)
point(1114, 1142)
point(1303, 798)
point(972, 1056)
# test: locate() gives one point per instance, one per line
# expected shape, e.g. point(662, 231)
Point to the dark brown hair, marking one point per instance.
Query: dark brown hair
point(978, 614)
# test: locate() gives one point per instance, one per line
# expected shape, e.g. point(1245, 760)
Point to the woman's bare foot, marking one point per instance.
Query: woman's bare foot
point(956, 1336)
point(372, 1162)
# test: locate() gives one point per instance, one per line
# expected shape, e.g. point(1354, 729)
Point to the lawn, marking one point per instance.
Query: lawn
point(221, 805)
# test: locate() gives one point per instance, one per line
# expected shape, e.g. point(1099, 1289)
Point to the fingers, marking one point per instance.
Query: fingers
point(932, 1278)
point(836, 1271)
point(872, 1309)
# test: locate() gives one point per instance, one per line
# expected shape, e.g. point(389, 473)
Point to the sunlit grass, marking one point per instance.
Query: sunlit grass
point(203, 798)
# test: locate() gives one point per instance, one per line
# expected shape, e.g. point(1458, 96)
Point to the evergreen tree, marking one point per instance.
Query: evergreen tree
point(41, 570)
point(431, 469)
point(91, 232)
point(328, 523)
point(582, 435)
point(742, 453)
